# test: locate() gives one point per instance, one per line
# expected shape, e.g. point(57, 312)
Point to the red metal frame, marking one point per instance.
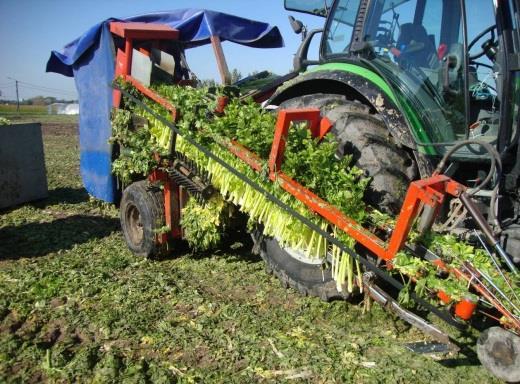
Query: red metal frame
point(172, 205)
point(151, 95)
point(155, 33)
point(428, 191)
point(131, 32)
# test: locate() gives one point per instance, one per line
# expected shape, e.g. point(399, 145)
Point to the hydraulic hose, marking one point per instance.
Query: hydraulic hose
point(495, 168)
point(496, 162)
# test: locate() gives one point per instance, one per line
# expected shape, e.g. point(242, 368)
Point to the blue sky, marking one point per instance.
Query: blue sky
point(30, 29)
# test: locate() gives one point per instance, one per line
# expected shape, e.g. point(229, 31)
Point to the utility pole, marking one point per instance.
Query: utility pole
point(17, 95)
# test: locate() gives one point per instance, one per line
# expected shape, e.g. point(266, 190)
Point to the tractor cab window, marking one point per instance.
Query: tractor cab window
point(340, 28)
point(445, 64)
point(484, 71)
point(419, 45)
point(441, 59)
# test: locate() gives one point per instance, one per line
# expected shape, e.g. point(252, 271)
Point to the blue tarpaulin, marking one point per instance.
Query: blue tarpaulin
point(90, 59)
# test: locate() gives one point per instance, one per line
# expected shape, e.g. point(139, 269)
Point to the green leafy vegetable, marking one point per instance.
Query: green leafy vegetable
point(203, 224)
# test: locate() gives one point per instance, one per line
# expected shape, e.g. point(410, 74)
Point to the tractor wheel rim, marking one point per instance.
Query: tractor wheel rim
point(135, 231)
point(301, 255)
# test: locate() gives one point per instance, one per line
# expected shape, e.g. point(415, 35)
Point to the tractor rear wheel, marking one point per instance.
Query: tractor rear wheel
point(363, 135)
point(142, 215)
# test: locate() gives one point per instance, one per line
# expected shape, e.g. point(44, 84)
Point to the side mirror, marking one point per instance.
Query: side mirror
point(298, 27)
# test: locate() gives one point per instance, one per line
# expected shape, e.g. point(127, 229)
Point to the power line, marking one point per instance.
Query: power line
point(44, 87)
point(61, 92)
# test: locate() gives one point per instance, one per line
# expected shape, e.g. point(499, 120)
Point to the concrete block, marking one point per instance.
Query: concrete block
point(22, 164)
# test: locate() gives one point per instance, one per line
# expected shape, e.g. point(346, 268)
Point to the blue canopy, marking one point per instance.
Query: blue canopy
point(90, 60)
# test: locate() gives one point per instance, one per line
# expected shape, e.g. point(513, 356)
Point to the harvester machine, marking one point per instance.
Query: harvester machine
point(422, 96)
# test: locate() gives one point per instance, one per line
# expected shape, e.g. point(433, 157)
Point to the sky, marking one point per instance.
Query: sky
point(30, 29)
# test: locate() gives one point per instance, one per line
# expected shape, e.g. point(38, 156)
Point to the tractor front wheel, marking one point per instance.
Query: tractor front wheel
point(142, 215)
point(499, 351)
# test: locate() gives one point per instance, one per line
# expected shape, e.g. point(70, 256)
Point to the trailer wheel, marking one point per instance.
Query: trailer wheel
point(141, 215)
point(364, 135)
point(499, 352)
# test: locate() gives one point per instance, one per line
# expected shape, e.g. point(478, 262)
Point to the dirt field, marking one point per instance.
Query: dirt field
point(77, 306)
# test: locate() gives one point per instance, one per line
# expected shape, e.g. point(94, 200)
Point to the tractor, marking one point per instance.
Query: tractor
point(422, 94)
point(413, 87)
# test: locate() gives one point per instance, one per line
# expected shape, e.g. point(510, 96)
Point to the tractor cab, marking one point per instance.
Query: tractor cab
point(445, 60)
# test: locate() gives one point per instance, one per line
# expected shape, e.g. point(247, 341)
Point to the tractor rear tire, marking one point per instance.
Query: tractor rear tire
point(142, 215)
point(363, 135)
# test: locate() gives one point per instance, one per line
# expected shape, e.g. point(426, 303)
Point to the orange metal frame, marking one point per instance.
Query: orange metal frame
point(154, 32)
point(429, 191)
point(172, 205)
point(131, 32)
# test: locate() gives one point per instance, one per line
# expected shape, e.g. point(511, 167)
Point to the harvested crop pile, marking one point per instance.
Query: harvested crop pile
point(310, 162)
point(203, 224)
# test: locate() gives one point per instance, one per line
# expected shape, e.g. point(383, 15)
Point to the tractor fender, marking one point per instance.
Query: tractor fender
point(355, 87)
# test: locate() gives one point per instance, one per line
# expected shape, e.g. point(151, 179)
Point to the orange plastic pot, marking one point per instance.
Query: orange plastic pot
point(465, 308)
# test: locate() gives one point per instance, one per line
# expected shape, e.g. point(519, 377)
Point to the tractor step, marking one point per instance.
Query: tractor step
point(184, 172)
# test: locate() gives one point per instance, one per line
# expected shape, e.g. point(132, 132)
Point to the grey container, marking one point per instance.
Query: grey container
point(22, 164)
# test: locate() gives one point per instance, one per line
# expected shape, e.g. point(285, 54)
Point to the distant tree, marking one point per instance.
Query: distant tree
point(38, 100)
point(235, 75)
point(207, 83)
point(41, 100)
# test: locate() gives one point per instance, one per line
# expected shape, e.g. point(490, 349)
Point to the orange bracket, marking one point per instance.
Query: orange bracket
point(318, 126)
point(429, 191)
point(172, 207)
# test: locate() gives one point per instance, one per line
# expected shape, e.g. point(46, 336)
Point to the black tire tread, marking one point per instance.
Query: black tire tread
point(365, 136)
point(326, 291)
point(150, 199)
